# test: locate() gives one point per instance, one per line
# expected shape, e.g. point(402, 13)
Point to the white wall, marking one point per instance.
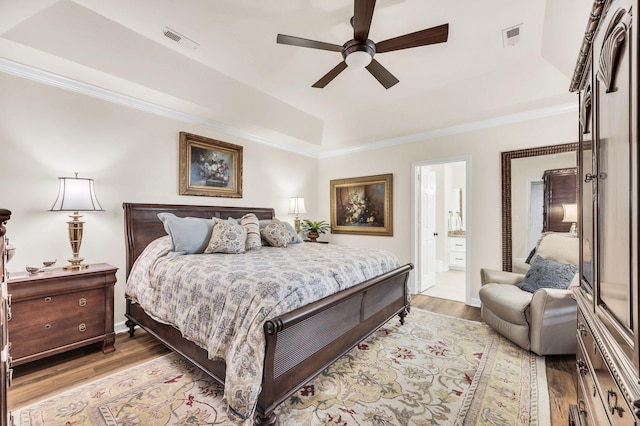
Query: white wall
point(484, 213)
point(47, 132)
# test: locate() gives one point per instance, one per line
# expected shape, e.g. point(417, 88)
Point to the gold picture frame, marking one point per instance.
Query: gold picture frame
point(209, 167)
point(362, 205)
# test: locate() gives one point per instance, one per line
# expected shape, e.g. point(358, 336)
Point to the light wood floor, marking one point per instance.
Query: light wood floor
point(44, 378)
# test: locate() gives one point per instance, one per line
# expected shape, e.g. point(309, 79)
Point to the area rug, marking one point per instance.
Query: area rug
point(434, 370)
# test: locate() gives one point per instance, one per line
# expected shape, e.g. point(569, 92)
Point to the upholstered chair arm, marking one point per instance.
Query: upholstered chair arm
point(553, 314)
point(499, 277)
point(520, 267)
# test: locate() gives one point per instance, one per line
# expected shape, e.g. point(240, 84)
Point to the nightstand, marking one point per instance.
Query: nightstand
point(59, 310)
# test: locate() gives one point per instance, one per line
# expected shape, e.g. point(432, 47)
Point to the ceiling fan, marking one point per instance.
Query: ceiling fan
point(359, 52)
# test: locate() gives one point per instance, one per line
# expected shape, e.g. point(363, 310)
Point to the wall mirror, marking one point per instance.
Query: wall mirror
point(519, 169)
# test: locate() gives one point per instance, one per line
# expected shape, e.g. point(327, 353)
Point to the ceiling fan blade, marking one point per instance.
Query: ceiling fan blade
point(382, 74)
point(303, 42)
point(362, 16)
point(433, 35)
point(326, 79)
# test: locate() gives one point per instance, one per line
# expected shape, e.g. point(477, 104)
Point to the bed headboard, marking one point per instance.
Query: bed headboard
point(142, 226)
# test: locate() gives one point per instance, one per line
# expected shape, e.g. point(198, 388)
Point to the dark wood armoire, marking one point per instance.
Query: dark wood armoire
point(5, 359)
point(606, 80)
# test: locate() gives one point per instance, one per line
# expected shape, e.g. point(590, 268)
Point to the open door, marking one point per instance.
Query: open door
point(428, 234)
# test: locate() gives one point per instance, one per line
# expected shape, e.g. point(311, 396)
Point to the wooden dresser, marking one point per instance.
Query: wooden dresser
point(59, 310)
point(608, 357)
point(5, 361)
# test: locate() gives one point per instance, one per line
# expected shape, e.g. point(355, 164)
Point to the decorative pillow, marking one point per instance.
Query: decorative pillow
point(295, 238)
point(250, 221)
point(189, 235)
point(276, 234)
point(227, 238)
point(548, 274)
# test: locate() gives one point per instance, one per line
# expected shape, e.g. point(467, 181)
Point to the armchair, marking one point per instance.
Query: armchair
point(544, 321)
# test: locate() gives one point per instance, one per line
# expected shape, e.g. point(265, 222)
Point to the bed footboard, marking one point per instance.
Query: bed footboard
point(304, 342)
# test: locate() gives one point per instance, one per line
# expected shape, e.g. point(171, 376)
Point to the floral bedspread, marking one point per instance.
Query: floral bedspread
point(221, 301)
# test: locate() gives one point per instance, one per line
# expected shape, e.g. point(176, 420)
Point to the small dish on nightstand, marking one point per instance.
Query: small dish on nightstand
point(49, 263)
point(33, 269)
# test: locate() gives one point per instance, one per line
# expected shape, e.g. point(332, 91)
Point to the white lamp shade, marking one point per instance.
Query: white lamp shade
point(76, 194)
point(297, 206)
point(570, 213)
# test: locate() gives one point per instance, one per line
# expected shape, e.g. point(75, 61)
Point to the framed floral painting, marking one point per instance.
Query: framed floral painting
point(362, 205)
point(209, 167)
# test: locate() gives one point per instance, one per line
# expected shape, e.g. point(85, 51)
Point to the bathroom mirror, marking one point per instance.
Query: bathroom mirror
point(553, 156)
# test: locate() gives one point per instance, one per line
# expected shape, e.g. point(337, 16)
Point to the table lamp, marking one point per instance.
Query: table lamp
point(297, 207)
point(75, 195)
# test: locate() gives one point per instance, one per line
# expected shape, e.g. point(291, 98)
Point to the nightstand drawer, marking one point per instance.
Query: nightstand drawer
point(33, 312)
point(54, 334)
point(59, 310)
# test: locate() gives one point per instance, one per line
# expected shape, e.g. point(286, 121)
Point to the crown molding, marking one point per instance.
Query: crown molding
point(46, 77)
point(457, 129)
point(51, 79)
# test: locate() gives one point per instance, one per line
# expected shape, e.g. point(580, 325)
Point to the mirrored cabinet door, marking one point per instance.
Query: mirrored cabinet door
point(586, 187)
point(613, 149)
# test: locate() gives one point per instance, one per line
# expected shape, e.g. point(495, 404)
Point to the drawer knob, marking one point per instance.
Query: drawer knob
point(47, 326)
point(582, 407)
point(82, 301)
point(82, 328)
point(636, 404)
point(582, 367)
point(47, 299)
point(582, 329)
point(613, 408)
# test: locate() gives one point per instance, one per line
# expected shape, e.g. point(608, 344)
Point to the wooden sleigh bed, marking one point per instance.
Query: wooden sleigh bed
point(288, 363)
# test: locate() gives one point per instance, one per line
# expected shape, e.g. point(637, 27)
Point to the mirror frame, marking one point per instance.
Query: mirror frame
point(507, 156)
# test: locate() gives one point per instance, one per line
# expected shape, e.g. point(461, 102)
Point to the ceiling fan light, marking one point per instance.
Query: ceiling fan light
point(358, 59)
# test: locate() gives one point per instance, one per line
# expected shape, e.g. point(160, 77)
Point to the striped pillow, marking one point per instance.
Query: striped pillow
point(250, 221)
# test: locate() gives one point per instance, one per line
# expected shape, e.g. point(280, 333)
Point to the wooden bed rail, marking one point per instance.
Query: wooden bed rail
point(302, 343)
point(287, 320)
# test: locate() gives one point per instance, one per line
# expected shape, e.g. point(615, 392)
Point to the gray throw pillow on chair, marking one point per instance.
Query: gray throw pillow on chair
point(545, 273)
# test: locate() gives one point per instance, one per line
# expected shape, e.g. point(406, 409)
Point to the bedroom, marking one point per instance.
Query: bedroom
point(98, 115)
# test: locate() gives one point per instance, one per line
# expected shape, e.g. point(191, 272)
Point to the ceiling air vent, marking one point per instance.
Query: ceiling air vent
point(511, 36)
point(180, 39)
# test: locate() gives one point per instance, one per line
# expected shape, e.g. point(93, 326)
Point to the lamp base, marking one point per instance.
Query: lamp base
point(75, 238)
point(75, 267)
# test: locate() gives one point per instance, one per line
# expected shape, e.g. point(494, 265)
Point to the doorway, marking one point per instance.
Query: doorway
point(440, 240)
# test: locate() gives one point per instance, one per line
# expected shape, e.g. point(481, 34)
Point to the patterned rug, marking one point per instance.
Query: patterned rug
point(434, 370)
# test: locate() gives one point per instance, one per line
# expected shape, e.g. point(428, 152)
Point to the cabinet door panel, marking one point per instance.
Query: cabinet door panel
point(614, 190)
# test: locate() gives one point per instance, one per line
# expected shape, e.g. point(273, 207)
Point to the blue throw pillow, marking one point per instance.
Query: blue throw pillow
point(545, 273)
point(189, 235)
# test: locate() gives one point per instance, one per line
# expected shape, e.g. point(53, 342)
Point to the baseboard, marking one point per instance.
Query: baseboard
point(120, 327)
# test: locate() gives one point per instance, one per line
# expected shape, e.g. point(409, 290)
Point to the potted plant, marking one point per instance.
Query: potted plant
point(313, 229)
